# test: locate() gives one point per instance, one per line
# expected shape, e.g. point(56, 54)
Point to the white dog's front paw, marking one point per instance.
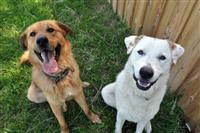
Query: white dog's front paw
point(118, 131)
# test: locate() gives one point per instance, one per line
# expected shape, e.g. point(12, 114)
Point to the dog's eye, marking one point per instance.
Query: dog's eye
point(50, 30)
point(162, 57)
point(32, 34)
point(140, 52)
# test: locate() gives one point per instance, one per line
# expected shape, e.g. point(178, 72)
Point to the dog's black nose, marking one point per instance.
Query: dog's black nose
point(42, 42)
point(146, 72)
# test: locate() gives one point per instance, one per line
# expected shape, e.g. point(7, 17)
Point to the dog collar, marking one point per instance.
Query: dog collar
point(59, 76)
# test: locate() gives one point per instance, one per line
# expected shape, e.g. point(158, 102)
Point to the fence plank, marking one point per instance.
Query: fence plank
point(114, 5)
point(120, 8)
point(178, 19)
point(152, 18)
point(128, 11)
point(189, 102)
point(183, 12)
point(190, 39)
point(139, 14)
point(162, 31)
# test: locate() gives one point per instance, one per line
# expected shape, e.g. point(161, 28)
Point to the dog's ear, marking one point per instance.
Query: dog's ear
point(23, 40)
point(177, 51)
point(131, 42)
point(66, 29)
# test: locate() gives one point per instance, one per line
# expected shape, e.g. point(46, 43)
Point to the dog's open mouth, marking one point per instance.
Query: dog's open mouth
point(143, 84)
point(49, 59)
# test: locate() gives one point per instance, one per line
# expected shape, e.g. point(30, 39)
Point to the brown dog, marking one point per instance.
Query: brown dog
point(55, 73)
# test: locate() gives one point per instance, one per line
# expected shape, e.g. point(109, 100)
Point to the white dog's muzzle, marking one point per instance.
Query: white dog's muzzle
point(144, 82)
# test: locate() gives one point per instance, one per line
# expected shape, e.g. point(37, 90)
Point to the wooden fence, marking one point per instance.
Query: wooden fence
point(178, 21)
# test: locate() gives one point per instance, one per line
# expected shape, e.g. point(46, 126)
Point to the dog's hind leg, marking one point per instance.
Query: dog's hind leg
point(108, 94)
point(35, 94)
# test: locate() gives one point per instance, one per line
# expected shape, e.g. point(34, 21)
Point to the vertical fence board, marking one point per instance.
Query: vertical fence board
point(120, 8)
point(128, 11)
point(153, 16)
point(190, 39)
point(114, 5)
point(190, 100)
point(162, 30)
point(178, 19)
point(139, 14)
point(184, 11)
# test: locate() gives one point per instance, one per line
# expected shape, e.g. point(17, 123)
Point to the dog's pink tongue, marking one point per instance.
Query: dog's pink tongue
point(49, 63)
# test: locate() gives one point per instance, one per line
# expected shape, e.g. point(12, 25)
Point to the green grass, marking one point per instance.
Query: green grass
point(100, 52)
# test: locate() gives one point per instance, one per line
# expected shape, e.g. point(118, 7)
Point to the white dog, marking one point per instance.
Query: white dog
point(141, 85)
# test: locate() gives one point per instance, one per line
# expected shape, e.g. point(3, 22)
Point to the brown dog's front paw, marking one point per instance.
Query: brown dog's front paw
point(64, 129)
point(95, 118)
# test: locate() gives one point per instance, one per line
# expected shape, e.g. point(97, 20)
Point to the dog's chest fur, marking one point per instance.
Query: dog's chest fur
point(134, 107)
point(62, 91)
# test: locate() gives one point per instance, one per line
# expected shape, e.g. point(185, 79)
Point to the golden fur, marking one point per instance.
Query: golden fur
point(42, 87)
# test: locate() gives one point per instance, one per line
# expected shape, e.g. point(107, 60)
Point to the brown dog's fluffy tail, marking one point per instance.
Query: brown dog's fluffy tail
point(24, 58)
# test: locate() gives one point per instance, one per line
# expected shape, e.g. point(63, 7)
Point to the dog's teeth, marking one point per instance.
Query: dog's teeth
point(54, 53)
point(142, 84)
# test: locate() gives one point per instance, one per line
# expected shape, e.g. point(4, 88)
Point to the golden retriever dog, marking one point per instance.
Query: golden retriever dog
point(55, 73)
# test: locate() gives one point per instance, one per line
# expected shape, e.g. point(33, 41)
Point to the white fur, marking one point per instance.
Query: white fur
point(177, 52)
point(133, 104)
